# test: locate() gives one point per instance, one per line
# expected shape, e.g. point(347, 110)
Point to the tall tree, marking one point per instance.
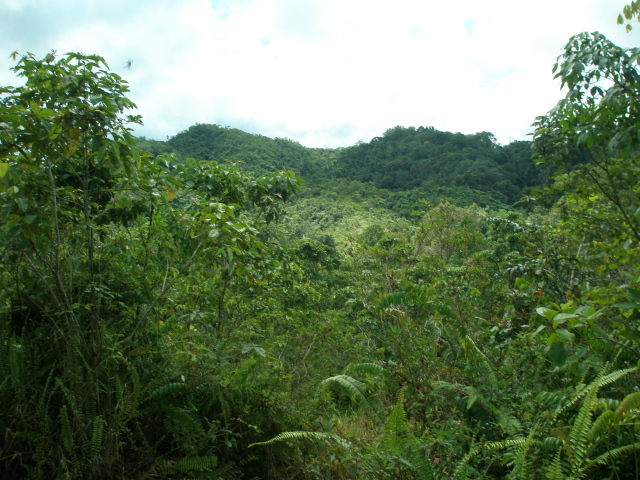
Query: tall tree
point(593, 132)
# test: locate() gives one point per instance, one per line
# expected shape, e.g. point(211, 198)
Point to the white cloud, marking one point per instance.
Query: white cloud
point(324, 72)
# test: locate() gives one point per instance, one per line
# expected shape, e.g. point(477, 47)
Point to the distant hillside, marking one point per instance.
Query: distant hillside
point(408, 158)
point(256, 153)
point(412, 164)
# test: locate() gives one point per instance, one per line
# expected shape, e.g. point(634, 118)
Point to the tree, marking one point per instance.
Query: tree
point(592, 133)
point(590, 141)
point(96, 244)
point(65, 144)
point(629, 13)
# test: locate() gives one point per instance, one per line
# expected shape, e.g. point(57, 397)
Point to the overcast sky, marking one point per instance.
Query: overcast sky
point(321, 72)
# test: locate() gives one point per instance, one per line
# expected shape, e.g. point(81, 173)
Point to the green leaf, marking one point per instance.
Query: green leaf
point(101, 151)
point(4, 168)
point(558, 354)
point(634, 294)
point(23, 204)
point(546, 312)
point(565, 334)
point(632, 334)
point(627, 305)
point(538, 330)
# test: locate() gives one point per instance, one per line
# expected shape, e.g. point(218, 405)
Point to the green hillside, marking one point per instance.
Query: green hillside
point(406, 158)
point(404, 166)
point(255, 153)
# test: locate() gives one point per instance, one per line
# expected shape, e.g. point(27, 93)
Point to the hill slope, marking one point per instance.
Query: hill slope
point(403, 166)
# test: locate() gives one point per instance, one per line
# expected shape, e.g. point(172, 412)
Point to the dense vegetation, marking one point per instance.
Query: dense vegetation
point(166, 317)
point(404, 166)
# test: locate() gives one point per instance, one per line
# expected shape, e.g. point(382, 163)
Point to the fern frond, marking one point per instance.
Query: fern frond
point(507, 421)
point(67, 437)
point(186, 465)
point(97, 433)
point(315, 437)
point(504, 419)
point(47, 394)
point(422, 464)
point(601, 381)
point(552, 443)
point(69, 397)
point(182, 424)
point(357, 390)
point(65, 431)
point(166, 390)
point(579, 436)
point(554, 472)
point(195, 463)
point(521, 467)
point(397, 433)
point(130, 397)
point(365, 368)
point(396, 298)
point(614, 376)
point(610, 455)
point(610, 403)
point(491, 446)
point(629, 403)
point(555, 400)
point(601, 426)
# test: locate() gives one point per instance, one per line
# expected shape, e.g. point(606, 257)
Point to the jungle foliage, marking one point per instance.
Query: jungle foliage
point(403, 166)
point(172, 317)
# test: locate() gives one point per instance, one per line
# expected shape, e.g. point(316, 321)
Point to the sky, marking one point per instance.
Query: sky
point(325, 73)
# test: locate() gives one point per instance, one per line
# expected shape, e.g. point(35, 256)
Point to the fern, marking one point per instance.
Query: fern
point(68, 396)
point(128, 406)
point(586, 432)
point(610, 455)
point(191, 463)
point(183, 426)
point(521, 468)
point(315, 437)
point(601, 426)
point(396, 298)
point(630, 403)
point(555, 400)
point(96, 436)
point(462, 468)
point(365, 368)
point(421, 463)
point(614, 376)
point(579, 436)
point(166, 390)
point(554, 472)
point(224, 406)
point(601, 381)
point(506, 420)
point(357, 391)
point(472, 353)
point(67, 437)
point(397, 433)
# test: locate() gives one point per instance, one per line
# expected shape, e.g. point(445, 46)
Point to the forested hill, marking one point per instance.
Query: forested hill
point(414, 163)
point(405, 158)
point(255, 153)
